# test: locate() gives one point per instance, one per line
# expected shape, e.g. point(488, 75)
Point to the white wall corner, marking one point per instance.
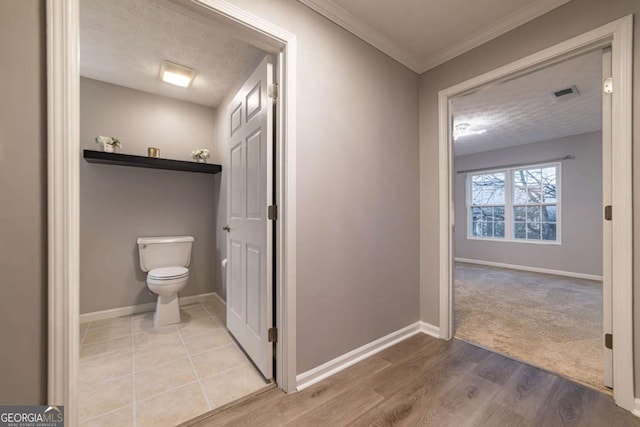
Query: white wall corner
point(341, 363)
point(429, 329)
point(636, 407)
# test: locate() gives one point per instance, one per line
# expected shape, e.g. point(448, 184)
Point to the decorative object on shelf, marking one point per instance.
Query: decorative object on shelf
point(200, 155)
point(109, 143)
point(153, 152)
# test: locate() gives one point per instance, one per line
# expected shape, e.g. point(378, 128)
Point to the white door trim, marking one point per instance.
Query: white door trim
point(63, 87)
point(619, 35)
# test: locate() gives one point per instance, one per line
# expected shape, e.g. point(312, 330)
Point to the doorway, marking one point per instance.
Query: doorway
point(618, 36)
point(528, 189)
point(63, 24)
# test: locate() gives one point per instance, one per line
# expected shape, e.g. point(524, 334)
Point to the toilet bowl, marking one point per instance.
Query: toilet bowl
point(165, 259)
point(166, 282)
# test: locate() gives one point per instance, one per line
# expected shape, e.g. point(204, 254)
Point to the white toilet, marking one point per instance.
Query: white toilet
point(166, 260)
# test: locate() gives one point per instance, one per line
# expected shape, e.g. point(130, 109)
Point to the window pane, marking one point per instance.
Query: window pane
point(476, 228)
point(476, 214)
point(549, 213)
point(520, 230)
point(548, 231)
point(487, 214)
point(520, 196)
point(534, 193)
point(488, 189)
point(533, 231)
point(533, 213)
point(549, 175)
point(533, 176)
point(520, 213)
point(487, 229)
point(498, 213)
point(498, 229)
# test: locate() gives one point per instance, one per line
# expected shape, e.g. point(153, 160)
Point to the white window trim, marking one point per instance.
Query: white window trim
point(508, 206)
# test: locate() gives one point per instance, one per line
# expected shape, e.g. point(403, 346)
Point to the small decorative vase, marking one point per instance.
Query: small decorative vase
point(108, 148)
point(201, 160)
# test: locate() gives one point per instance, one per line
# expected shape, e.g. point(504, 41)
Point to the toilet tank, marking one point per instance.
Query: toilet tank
point(170, 251)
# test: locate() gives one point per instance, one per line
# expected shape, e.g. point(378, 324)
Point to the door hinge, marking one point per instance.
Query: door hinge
point(608, 212)
point(272, 91)
point(608, 341)
point(272, 212)
point(273, 334)
point(607, 85)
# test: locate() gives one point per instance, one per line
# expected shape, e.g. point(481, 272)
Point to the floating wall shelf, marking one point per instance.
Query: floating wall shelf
point(92, 156)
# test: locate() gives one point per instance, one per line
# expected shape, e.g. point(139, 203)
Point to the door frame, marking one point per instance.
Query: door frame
point(63, 175)
point(619, 35)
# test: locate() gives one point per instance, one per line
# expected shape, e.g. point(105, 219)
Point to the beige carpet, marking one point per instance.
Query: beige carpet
point(549, 321)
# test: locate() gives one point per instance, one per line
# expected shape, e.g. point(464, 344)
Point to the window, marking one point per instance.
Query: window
point(517, 204)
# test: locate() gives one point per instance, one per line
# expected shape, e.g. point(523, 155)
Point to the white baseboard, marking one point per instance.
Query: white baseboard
point(429, 329)
point(532, 269)
point(636, 407)
point(140, 308)
point(340, 363)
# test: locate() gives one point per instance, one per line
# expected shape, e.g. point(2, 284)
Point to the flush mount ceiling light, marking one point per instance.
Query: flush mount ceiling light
point(464, 129)
point(176, 74)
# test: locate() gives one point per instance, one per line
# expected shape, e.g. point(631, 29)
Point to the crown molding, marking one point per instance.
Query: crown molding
point(360, 29)
point(375, 38)
point(491, 32)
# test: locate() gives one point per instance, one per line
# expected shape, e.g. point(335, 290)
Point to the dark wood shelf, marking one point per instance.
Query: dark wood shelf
point(92, 156)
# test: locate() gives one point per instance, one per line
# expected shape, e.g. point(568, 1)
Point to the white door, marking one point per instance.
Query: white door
point(249, 232)
point(607, 295)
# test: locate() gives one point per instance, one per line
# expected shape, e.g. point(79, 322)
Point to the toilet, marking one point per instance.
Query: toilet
point(165, 259)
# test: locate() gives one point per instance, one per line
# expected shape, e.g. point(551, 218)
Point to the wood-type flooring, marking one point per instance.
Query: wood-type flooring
point(427, 381)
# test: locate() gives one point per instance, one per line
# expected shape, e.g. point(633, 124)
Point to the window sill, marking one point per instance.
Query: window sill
point(532, 242)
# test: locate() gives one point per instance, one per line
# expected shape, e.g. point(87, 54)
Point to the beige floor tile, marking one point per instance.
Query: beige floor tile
point(107, 333)
point(198, 326)
point(216, 308)
point(159, 354)
point(218, 360)
point(144, 340)
point(121, 418)
point(96, 399)
point(83, 329)
point(192, 312)
point(105, 367)
point(106, 348)
point(172, 408)
point(143, 321)
point(232, 384)
point(207, 341)
point(163, 378)
point(113, 322)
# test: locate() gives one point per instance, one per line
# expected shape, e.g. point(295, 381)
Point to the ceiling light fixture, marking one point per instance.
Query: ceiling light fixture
point(176, 74)
point(463, 129)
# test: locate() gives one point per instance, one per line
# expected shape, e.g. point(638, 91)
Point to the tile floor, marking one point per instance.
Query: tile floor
point(134, 375)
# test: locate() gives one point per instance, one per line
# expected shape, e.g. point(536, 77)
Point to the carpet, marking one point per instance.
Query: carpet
point(552, 322)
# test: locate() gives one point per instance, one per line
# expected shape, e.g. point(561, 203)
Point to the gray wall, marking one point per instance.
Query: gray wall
point(569, 20)
point(357, 177)
point(23, 201)
point(580, 250)
point(118, 204)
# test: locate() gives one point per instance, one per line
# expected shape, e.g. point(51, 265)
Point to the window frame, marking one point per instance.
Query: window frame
point(509, 229)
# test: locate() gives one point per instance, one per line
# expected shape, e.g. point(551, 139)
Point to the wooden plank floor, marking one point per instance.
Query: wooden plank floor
point(426, 381)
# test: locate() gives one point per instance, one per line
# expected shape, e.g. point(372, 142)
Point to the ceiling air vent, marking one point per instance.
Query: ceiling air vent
point(566, 93)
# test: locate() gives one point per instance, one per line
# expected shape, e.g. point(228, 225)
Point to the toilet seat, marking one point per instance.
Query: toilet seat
point(168, 273)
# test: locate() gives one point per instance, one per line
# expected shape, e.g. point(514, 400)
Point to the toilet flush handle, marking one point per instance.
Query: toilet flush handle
point(226, 228)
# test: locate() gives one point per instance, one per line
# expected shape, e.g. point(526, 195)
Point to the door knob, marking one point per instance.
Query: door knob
point(226, 228)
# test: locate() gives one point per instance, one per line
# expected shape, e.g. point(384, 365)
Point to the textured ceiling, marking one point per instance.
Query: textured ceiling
point(522, 111)
point(422, 34)
point(125, 41)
